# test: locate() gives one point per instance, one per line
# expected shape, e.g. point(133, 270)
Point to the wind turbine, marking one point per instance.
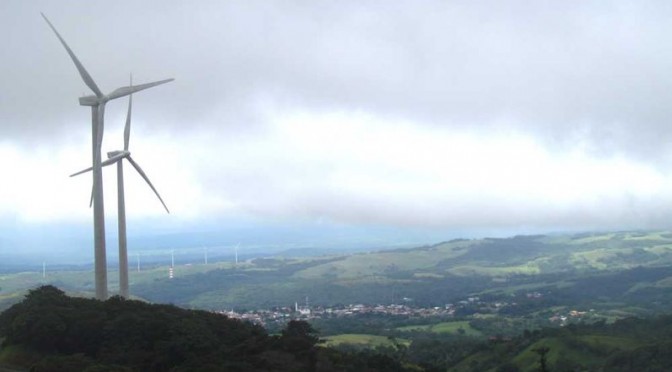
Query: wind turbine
point(97, 103)
point(118, 157)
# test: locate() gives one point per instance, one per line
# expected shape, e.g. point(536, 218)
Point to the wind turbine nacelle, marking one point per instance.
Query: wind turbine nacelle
point(116, 153)
point(89, 101)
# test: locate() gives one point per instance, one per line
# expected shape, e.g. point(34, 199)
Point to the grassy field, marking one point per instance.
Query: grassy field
point(364, 340)
point(377, 263)
point(445, 327)
point(528, 360)
point(575, 353)
point(612, 342)
point(466, 270)
point(592, 239)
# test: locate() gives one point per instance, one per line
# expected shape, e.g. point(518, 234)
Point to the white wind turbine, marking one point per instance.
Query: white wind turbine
point(118, 157)
point(97, 103)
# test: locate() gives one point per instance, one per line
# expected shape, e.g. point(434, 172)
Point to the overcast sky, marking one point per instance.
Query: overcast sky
point(539, 115)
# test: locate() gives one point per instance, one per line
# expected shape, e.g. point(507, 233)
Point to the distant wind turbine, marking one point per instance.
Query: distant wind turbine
point(118, 157)
point(172, 265)
point(97, 103)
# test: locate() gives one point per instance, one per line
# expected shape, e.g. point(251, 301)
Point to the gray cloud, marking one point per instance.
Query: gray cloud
point(547, 67)
point(589, 74)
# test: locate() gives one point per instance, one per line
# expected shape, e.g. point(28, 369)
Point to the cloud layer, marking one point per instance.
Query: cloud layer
point(416, 113)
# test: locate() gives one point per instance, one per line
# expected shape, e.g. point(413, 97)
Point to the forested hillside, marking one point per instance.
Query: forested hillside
point(471, 305)
point(49, 331)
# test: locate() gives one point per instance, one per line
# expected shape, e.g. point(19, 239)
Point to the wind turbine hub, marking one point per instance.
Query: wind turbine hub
point(89, 101)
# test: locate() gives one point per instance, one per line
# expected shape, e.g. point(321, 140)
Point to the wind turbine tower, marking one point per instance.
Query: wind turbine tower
point(97, 103)
point(118, 157)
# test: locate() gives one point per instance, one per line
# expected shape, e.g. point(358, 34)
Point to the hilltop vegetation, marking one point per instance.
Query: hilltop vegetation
point(627, 345)
point(49, 331)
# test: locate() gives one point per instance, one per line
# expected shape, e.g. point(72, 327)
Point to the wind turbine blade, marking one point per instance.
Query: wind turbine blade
point(88, 80)
point(127, 128)
point(137, 167)
point(103, 164)
point(82, 171)
point(124, 91)
point(91, 202)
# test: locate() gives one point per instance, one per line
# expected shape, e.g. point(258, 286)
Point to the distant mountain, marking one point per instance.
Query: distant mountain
point(27, 245)
point(438, 274)
point(538, 254)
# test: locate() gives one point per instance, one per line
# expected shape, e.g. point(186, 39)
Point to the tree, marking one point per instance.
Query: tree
point(299, 336)
point(542, 351)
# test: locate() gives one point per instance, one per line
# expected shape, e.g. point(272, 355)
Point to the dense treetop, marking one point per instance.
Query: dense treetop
point(69, 334)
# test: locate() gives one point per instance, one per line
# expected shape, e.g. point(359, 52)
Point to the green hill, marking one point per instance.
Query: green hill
point(629, 267)
point(623, 346)
point(442, 273)
point(49, 331)
point(510, 256)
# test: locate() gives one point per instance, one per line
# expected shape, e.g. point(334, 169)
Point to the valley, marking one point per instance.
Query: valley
point(460, 292)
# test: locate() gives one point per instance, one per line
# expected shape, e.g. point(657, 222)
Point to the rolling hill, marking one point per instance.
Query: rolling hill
point(576, 268)
point(581, 267)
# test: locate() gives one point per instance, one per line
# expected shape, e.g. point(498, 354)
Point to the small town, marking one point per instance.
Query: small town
point(306, 312)
point(470, 306)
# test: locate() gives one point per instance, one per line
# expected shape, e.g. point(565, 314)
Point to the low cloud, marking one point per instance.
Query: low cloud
point(409, 114)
